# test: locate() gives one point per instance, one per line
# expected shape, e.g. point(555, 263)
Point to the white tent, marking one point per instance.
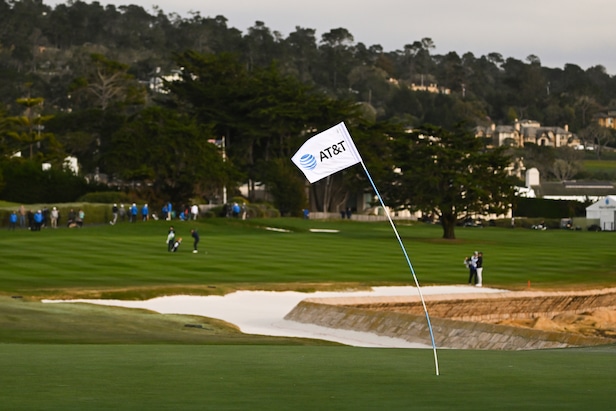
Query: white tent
point(605, 211)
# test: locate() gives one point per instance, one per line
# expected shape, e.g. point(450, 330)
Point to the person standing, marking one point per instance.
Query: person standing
point(195, 236)
point(13, 220)
point(194, 211)
point(145, 213)
point(70, 223)
point(22, 216)
point(133, 213)
point(81, 216)
point(54, 217)
point(38, 220)
point(471, 263)
point(114, 214)
point(479, 269)
point(122, 212)
point(170, 238)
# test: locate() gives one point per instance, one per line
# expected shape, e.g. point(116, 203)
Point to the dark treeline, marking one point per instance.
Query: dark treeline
point(44, 50)
point(85, 80)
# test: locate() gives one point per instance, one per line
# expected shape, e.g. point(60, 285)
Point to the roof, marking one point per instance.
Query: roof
point(575, 188)
point(606, 203)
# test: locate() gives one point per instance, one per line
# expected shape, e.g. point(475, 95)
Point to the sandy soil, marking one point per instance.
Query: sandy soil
point(597, 323)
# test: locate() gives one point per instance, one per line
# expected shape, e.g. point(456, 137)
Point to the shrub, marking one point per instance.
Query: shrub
point(544, 208)
point(108, 197)
point(26, 182)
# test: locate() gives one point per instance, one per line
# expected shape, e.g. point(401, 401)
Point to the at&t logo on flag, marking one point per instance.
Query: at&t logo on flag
point(326, 153)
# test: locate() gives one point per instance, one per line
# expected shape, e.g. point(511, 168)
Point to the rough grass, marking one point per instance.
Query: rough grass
point(600, 165)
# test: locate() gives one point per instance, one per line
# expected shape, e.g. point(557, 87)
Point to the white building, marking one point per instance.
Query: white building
point(605, 211)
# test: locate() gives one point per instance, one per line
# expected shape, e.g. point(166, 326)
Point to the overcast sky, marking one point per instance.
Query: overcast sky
point(556, 31)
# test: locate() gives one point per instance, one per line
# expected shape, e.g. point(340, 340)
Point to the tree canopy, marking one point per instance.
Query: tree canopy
point(91, 66)
point(450, 174)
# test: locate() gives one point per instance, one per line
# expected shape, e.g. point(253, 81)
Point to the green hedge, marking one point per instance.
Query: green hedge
point(26, 182)
point(544, 208)
point(110, 197)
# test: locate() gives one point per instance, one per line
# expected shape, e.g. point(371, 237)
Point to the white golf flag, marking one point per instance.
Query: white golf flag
point(327, 153)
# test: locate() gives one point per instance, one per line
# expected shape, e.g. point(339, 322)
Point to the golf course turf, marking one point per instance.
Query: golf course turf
point(76, 356)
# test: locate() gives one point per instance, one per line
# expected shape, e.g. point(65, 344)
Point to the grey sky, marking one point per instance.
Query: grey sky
point(556, 31)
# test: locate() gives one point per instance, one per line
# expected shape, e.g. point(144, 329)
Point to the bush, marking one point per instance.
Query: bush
point(544, 208)
point(108, 197)
point(254, 210)
point(26, 182)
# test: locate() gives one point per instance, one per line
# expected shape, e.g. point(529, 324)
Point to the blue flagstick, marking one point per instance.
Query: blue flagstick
point(408, 262)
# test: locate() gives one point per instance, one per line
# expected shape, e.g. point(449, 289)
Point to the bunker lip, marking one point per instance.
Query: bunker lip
point(263, 312)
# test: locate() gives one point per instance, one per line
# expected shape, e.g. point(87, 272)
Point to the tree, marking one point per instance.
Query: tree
point(107, 82)
point(28, 128)
point(597, 136)
point(335, 48)
point(450, 174)
point(539, 157)
point(169, 152)
point(286, 187)
point(262, 113)
point(302, 51)
point(568, 163)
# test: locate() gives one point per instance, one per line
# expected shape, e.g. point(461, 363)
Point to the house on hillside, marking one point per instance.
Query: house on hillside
point(528, 131)
point(606, 118)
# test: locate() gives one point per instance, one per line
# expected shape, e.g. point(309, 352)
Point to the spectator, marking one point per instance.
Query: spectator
point(71, 219)
point(38, 220)
point(81, 215)
point(194, 211)
point(55, 215)
point(13, 220)
point(479, 269)
point(22, 216)
point(133, 213)
point(122, 212)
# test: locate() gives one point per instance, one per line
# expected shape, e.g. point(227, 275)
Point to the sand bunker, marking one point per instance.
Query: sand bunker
point(263, 312)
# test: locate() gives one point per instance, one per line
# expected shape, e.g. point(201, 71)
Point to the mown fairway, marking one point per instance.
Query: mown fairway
point(133, 257)
point(81, 357)
point(171, 377)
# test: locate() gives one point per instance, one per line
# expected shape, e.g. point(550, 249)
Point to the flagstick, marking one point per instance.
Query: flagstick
point(408, 262)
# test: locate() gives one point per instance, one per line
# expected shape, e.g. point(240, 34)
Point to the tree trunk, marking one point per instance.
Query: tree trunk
point(449, 225)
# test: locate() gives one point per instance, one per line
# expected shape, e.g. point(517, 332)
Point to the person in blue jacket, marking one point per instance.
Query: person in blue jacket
point(13, 220)
point(133, 213)
point(38, 220)
point(145, 213)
